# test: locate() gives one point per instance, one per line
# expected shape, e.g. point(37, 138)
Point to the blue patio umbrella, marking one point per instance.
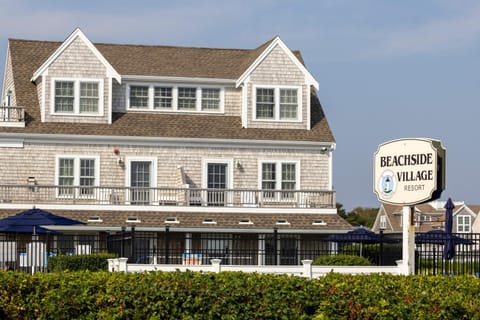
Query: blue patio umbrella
point(359, 235)
point(449, 248)
point(440, 237)
point(31, 221)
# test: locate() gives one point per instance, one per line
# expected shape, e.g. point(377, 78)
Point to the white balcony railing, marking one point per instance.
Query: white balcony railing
point(12, 116)
point(38, 194)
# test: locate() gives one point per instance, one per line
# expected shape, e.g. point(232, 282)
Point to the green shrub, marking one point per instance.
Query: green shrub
point(341, 260)
point(91, 262)
point(235, 295)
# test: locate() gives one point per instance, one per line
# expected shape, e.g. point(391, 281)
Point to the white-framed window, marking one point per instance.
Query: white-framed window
point(278, 177)
point(183, 98)
point(464, 223)
point(77, 96)
point(76, 176)
point(163, 98)
point(383, 222)
point(277, 103)
point(141, 179)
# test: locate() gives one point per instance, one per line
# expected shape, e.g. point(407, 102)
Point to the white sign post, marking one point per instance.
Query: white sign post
point(408, 172)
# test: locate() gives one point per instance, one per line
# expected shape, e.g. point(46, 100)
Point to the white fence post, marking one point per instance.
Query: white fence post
point(122, 264)
point(307, 268)
point(111, 265)
point(216, 265)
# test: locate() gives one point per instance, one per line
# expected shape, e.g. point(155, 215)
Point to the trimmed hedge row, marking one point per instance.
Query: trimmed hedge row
point(341, 260)
point(91, 262)
point(228, 295)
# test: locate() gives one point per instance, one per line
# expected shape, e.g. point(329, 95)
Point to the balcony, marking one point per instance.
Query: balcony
point(12, 116)
point(186, 197)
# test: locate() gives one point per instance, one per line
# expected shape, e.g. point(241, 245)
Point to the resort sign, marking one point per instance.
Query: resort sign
point(409, 171)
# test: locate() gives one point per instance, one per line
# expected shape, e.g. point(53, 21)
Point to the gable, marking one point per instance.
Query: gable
point(76, 38)
point(277, 68)
point(286, 58)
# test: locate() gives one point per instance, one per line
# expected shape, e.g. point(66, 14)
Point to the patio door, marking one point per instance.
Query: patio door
point(140, 182)
point(217, 182)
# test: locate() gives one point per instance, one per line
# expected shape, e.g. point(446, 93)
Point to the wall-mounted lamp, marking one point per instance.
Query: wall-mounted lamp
point(32, 183)
point(116, 151)
point(237, 164)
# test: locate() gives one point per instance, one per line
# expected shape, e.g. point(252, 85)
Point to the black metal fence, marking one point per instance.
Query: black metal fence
point(431, 260)
point(273, 248)
point(32, 253)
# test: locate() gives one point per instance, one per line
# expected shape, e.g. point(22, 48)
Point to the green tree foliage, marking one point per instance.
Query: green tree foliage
point(358, 216)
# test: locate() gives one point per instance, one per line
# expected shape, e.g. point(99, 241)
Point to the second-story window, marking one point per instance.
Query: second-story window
point(139, 97)
point(277, 103)
point(187, 98)
point(76, 176)
point(210, 99)
point(89, 97)
point(265, 103)
point(74, 96)
point(163, 98)
point(175, 98)
point(64, 96)
point(279, 175)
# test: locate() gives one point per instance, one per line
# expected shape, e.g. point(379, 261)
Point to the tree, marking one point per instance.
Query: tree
point(358, 216)
point(341, 210)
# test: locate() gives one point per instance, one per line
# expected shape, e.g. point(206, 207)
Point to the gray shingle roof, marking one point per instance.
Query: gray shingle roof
point(27, 56)
point(155, 219)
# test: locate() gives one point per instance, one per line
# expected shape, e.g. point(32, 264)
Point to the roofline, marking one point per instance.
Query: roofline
point(217, 81)
point(20, 138)
point(192, 229)
point(277, 41)
point(111, 72)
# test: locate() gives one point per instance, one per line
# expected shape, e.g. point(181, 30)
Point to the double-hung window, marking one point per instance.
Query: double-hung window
point(76, 176)
point(211, 99)
point(74, 96)
point(277, 103)
point(277, 178)
point(163, 98)
point(139, 97)
point(186, 98)
point(463, 223)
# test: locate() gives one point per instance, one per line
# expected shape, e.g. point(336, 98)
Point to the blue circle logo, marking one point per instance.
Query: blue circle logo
point(387, 183)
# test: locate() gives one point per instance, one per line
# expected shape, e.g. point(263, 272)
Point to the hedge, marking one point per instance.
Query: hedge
point(229, 295)
point(91, 262)
point(341, 260)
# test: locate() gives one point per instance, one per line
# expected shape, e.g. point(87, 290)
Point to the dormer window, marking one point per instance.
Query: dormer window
point(277, 103)
point(77, 96)
point(175, 98)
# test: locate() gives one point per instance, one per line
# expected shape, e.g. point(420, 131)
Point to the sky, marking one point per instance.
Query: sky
point(387, 69)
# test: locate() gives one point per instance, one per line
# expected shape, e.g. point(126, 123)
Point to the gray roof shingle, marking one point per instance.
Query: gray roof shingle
point(27, 56)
